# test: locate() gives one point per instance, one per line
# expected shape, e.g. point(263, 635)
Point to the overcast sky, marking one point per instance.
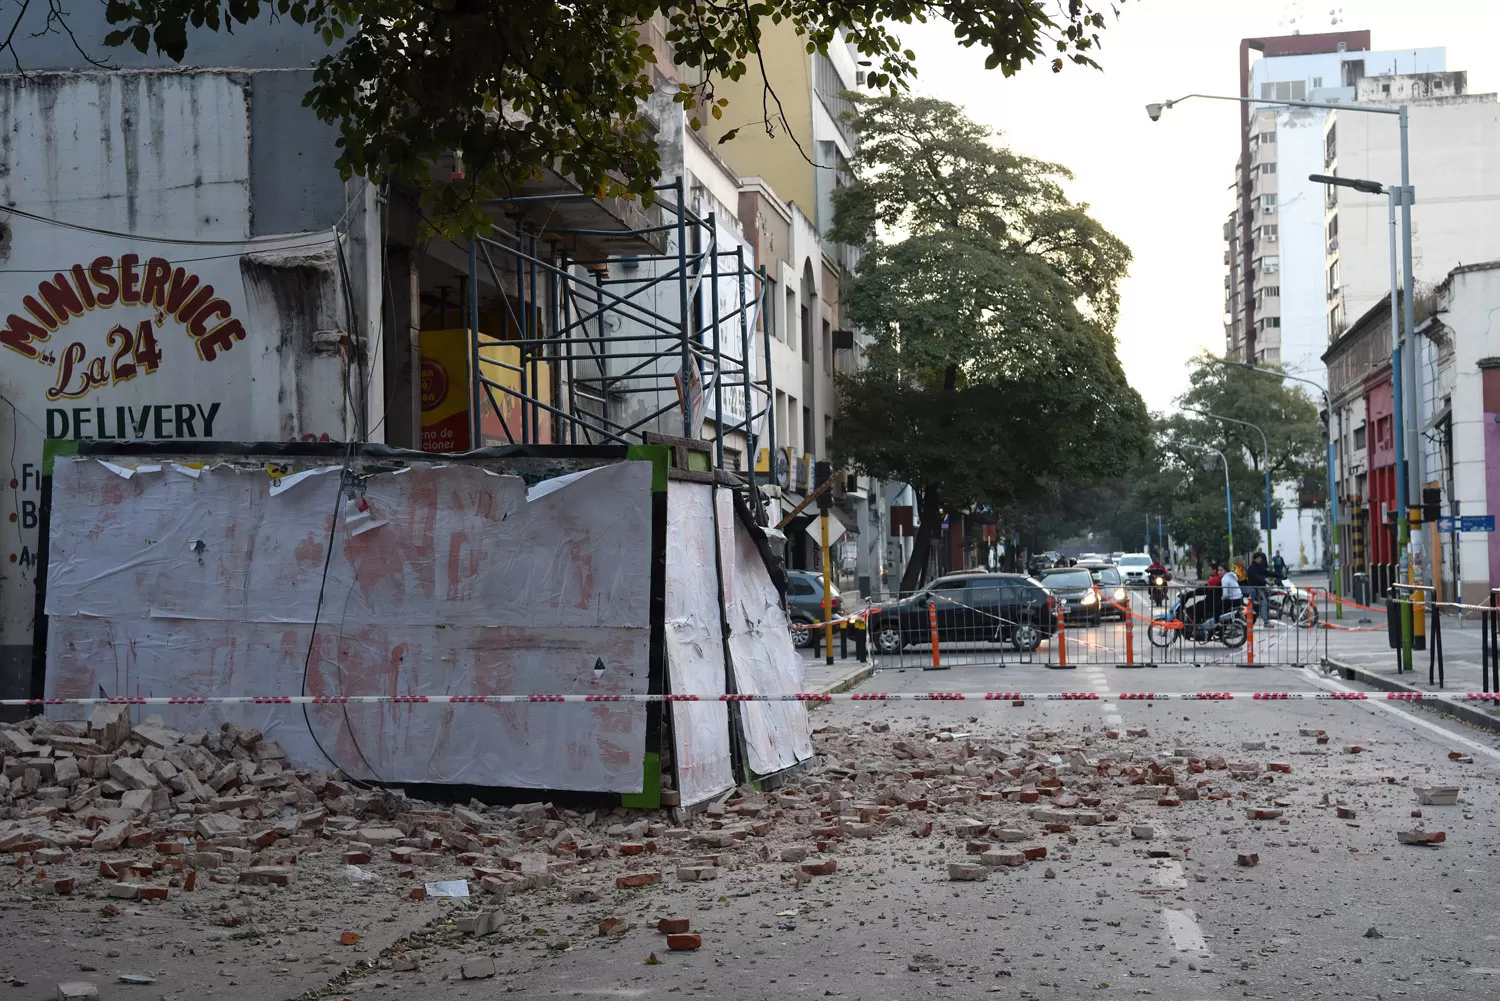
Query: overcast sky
point(1164, 187)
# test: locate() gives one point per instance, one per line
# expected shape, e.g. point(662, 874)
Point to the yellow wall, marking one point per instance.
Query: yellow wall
point(752, 153)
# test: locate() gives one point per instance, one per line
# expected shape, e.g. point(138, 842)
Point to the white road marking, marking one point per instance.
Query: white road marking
point(1446, 735)
point(1169, 876)
point(1183, 927)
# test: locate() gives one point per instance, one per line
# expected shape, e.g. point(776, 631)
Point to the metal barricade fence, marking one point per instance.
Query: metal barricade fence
point(1115, 627)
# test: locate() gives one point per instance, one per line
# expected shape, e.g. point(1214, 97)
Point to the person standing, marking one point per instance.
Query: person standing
point(1278, 566)
point(1259, 579)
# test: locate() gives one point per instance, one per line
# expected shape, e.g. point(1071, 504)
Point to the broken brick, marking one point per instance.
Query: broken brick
point(636, 880)
point(672, 926)
point(684, 943)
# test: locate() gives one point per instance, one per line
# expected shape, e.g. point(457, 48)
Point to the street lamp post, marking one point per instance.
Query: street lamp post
point(1333, 508)
point(1265, 446)
point(1399, 373)
point(1228, 498)
point(1407, 478)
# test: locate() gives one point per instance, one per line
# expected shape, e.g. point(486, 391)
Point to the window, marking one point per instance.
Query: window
point(1268, 203)
point(768, 308)
point(1331, 144)
point(791, 313)
point(1333, 278)
point(1271, 292)
point(1268, 168)
point(1268, 137)
point(1284, 90)
point(1270, 233)
point(1359, 436)
point(806, 328)
point(808, 446)
point(1270, 265)
point(827, 348)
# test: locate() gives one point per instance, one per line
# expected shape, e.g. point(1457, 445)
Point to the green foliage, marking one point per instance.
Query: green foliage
point(520, 86)
point(1185, 485)
point(992, 377)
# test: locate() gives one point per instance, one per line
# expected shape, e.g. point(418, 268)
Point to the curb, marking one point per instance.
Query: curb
point(847, 682)
point(1458, 711)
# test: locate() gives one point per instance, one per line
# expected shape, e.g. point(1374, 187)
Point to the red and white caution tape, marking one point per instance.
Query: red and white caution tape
point(351, 700)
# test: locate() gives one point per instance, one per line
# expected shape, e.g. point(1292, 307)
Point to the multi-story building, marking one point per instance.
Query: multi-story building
point(1453, 136)
point(1458, 365)
point(790, 172)
point(1278, 238)
point(1276, 234)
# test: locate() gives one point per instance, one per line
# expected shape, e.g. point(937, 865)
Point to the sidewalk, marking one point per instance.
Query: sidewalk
point(845, 673)
point(1367, 657)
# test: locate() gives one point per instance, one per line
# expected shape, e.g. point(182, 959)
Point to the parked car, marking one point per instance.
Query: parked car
point(983, 607)
point(1040, 562)
point(804, 604)
point(1114, 599)
point(1115, 557)
point(1133, 568)
point(1075, 593)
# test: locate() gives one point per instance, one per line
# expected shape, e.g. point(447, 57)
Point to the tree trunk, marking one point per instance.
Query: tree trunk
point(929, 511)
point(929, 507)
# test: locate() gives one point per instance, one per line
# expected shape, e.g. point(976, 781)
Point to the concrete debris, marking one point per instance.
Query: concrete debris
point(1420, 837)
point(127, 814)
point(1437, 795)
point(1373, 933)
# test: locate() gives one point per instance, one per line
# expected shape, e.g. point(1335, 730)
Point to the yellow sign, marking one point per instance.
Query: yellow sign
point(445, 391)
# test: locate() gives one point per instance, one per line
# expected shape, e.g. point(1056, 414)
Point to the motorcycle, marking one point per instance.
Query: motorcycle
point(1168, 627)
point(1158, 589)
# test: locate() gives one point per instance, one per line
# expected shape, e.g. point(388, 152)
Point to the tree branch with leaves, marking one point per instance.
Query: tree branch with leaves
point(991, 298)
point(520, 87)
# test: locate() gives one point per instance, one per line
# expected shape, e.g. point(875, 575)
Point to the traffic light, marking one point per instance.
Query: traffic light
point(822, 473)
point(1432, 501)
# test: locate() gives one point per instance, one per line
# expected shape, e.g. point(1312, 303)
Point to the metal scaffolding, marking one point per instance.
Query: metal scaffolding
point(589, 347)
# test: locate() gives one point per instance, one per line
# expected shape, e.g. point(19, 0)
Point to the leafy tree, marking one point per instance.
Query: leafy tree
point(521, 85)
point(1184, 485)
point(992, 299)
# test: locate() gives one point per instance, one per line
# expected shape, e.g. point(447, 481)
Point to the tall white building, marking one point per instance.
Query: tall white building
point(1279, 237)
point(1454, 140)
point(1288, 245)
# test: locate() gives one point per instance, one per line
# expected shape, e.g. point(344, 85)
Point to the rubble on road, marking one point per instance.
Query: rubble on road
point(125, 816)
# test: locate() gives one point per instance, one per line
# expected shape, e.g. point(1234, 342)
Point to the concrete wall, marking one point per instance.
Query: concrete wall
point(221, 179)
point(752, 152)
point(1472, 297)
point(1456, 216)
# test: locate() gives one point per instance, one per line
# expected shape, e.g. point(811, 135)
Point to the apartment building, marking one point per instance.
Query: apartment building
point(1276, 236)
point(789, 174)
point(1453, 139)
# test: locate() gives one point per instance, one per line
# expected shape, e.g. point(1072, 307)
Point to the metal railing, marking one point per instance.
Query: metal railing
point(1125, 627)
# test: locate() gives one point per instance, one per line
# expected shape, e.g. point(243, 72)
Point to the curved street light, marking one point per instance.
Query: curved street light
point(1266, 468)
point(1228, 499)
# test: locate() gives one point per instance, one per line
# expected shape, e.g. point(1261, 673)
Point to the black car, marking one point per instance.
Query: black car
point(804, 603)
point(978, 607)
point(1076, 593)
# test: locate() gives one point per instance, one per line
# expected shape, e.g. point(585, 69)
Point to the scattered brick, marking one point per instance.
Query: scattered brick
point(636, 880)
point(673, 926)
point(684, 943)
